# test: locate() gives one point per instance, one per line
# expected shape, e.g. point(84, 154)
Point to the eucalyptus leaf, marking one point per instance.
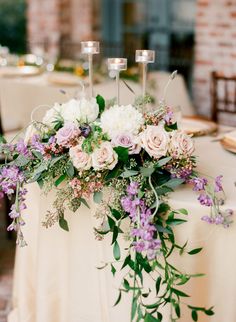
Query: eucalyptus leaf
point(195, 251)
point(84, 202)
point(129, 173)
point(147, 172)
point(97, 197)
point(162, 162)
point(116, 251)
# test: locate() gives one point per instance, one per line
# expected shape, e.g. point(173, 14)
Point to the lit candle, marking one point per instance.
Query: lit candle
point(117, 64)
point(145, 57)
point(90, 48)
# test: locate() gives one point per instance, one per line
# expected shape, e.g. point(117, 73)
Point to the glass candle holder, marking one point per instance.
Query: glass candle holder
point(117, 64)
point(90, 48)
point(144, 57)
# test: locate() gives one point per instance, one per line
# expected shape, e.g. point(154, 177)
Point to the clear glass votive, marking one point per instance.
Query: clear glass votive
point(117, 63)
point(145, 56)
point(90, 47)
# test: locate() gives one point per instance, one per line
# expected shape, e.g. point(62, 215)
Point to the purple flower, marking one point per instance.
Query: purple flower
point(36, 144)
point(21, 147)
point(199, 183)
point(144, 231)
point(218, 184)
point(132, 189)
point(205, 200)
point(85, 130)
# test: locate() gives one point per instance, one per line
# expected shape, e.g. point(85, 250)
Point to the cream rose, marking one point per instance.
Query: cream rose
point(155, 140)
point(181, 145)
point(128, 141)
point(104, 157)
point(80, 159)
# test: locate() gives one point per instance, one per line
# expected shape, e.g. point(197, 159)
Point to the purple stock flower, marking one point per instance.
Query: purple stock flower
point(205, 200)
point(218, 184)
point(132, 189)
point(36, 144)
point(199, 183)
point(144, 231)
point(21, 147)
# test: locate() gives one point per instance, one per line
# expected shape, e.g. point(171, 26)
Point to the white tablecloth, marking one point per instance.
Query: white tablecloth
point(56, 279)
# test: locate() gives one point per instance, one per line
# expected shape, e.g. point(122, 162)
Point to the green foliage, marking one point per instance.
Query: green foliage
point(13, 25)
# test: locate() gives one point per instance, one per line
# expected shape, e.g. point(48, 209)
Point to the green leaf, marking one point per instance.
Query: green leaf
point(183, 211)
point(147, 172)
point(55, 160)
point(195, 251)
point(115, 234)
point(2, 139)
point(116, 251)
point(162, 229)
point(63, 224)
point(115, 213)
point(194, 315)
point(209, 312)
point(150, 318)
point(162, 162)
point(97, 196)
point(37, 154)
point(177, 310)
point(163, 190)
point(60, 180)
point(111, 222)
point(173, 183)
point(134, 308)
point(101, 103)
point(123, 153)
point(113, 270)
point(171, 127)
point(118, 299)
point(129, 173)
point(175, 221)
point(126, 284)
point(20, 161)
point(179, 293)
point(84, 202)
point(158, 283)
point(70, 170)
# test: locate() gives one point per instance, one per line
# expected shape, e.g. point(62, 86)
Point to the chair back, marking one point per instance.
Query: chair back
point(223, 94)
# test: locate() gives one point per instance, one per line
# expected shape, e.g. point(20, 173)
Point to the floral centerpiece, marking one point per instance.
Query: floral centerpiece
point(82, 148)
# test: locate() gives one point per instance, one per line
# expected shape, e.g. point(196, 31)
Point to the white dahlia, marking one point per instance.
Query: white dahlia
point(121, 119)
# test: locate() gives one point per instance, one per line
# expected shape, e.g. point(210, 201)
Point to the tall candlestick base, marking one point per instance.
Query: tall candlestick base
point(117, 64)
point(90, 48)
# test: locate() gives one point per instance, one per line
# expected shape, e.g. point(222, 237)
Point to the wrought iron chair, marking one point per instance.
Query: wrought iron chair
point(223, 94)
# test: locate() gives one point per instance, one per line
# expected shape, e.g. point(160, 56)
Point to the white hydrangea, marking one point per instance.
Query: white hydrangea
point(53, 114)
point(82, 111)
point(121, 119)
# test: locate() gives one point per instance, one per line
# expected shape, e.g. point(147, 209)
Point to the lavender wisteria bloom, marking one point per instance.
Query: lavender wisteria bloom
point(199, 183)
point(218, 184)
point(205, 200)
point(144, 231)
point(11, 182)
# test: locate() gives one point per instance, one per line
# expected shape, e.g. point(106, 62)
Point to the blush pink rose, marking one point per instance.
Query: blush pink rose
point(80, 159)
point(181, 145)
point(155, 141)
point(127, 141)
point(67, 133)
point(104, 157)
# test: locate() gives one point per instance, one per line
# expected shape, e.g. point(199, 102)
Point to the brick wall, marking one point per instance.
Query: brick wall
point(54, 23)
point(215, 46)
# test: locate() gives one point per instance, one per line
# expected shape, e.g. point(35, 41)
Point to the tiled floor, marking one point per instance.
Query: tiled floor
point(7, 251)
